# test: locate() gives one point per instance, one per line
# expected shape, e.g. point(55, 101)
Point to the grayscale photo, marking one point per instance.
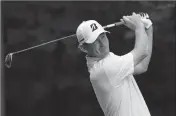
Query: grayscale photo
point(88, 58)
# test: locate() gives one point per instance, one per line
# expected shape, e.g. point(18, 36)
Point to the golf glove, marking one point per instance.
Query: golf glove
point(145, 19)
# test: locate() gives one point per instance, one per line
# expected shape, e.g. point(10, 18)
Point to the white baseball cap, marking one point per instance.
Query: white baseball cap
point(88, 31)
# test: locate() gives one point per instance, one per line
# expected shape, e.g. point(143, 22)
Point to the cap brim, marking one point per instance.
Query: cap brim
point(95, 36)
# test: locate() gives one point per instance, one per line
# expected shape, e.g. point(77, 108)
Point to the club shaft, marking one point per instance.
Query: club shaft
point(112, 25)
point(44, 44)
point(73, 35)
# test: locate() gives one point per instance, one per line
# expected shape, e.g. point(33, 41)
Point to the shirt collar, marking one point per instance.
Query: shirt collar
point(92, 60)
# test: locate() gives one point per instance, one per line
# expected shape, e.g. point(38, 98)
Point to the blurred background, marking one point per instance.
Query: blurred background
point(52, 80)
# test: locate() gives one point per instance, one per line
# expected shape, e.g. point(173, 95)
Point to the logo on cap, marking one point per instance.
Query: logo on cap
point(93, 27)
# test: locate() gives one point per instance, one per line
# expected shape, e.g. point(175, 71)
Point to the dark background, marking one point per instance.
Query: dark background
point(53, 80)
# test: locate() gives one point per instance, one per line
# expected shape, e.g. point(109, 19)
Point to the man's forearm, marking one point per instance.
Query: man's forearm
point(140, 52)
point(145, 62)
point(141, 39)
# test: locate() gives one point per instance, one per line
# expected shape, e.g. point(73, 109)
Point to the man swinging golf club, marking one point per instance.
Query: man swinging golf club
point(112, 75)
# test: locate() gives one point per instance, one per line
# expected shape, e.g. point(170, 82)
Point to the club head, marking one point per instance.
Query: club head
point(8, 60)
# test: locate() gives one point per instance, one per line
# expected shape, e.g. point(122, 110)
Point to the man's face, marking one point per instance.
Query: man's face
point(100, 47)
point(102, 43)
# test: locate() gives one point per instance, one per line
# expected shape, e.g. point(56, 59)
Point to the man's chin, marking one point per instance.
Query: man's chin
point(104, 54)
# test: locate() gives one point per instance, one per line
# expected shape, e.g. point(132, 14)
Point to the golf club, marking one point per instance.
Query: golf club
point(8, 58)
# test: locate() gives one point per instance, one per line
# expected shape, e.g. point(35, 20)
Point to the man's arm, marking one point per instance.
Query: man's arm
point(140, 50)
point(135, 23)
point(143, 65)
point(122, 66)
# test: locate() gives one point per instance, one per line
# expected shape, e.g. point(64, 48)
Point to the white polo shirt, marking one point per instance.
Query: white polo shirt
point(115, 87)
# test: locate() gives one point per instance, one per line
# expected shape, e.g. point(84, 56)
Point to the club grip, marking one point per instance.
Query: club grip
point(112, 25)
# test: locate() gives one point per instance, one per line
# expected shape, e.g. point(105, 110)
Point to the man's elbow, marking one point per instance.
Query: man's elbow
point(144, 69)
point(140, 69)
point(144, 53)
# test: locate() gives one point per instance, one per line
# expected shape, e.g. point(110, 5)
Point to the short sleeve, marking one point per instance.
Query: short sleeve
point(118, 68)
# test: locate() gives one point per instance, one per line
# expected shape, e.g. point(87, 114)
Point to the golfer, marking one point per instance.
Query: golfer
point(111, 75)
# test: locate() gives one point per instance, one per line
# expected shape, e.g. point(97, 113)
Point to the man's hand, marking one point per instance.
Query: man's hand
point(145, 19)
point(133, 22)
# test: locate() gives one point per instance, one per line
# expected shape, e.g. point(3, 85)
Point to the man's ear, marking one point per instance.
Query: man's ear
point(83, 48)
